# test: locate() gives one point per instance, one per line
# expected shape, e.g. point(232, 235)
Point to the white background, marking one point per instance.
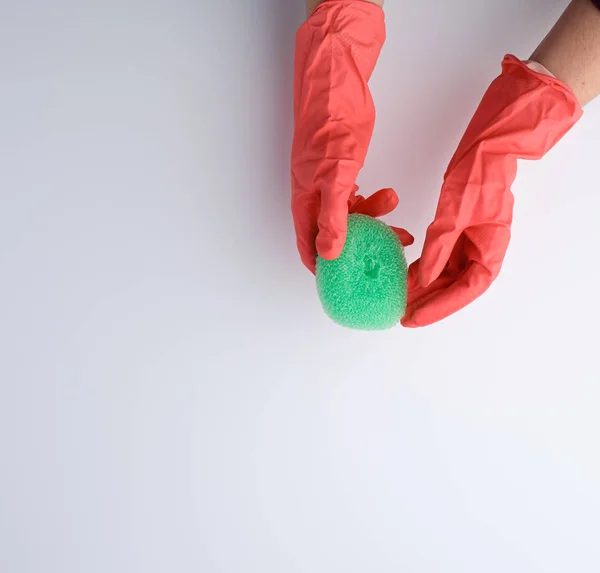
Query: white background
point(172, 397)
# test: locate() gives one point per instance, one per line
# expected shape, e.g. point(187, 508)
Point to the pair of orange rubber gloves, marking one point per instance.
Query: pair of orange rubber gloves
point(522, 115)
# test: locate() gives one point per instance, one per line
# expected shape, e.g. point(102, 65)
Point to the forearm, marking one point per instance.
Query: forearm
point(312, 4)
point(571, 51)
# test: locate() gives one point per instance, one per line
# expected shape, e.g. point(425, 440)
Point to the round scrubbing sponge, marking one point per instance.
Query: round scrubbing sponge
point(365, 288)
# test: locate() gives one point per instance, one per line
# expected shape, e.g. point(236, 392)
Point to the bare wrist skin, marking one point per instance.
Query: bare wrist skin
point(571, 51)
point(312, 4)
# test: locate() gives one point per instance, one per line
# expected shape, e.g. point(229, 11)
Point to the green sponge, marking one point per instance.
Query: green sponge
point(365, 288)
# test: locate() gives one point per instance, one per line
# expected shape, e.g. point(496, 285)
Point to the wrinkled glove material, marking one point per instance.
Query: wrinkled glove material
point(334, 115)
point(522, 115)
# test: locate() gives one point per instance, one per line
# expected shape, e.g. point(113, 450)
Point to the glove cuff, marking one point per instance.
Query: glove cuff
point(523, 114)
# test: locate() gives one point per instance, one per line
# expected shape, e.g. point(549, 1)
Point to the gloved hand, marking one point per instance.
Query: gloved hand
point(336, 51)
point(522, 115)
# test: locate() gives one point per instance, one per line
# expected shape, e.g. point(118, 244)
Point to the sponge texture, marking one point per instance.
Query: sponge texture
point(366, 287)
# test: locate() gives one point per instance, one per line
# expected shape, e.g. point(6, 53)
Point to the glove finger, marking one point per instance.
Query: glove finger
point(446, 295)
point(309, 261)
point(413, 278)
point(379, 204)
point(419, 296)
point(405, 237)
point(333, 223)
point(354, 200)
point(438, 246)
point(306, 210)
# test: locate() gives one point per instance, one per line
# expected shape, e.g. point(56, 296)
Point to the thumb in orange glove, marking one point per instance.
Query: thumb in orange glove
point(522, 115)
point(334, 115)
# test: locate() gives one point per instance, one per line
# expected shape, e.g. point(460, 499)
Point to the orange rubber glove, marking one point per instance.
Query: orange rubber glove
point(522, 115)
point(334, 115)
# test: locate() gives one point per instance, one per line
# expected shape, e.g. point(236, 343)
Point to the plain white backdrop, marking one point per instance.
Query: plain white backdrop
point(172, 397)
